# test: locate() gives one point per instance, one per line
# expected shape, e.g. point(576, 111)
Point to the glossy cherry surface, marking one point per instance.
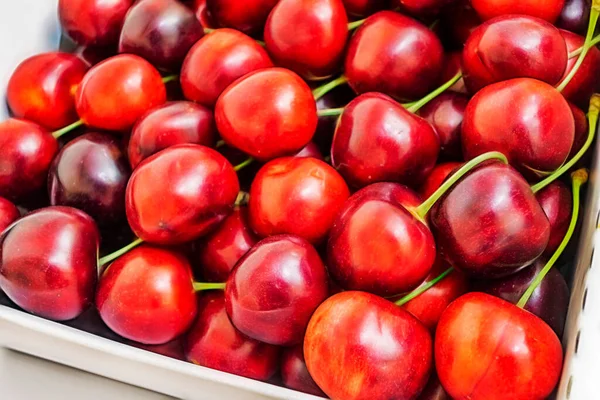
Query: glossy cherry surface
point(147, 295)
point(377, 220)
point(168, 125)
point(214, 342)
point(267, 114)
point(180, 194)
point(289, 282)
point(490, 224)
point(54, 274)
point(445, 114)
point(161, 31)
point(574, 16)
point(358, 345)
point(294, 373)
point(544, 9)
point(506, 348)
point(26, 151)
point(436, 178)
point(557, 202)
point(395, 55)
point(216, 61)
point(119, 90)
point(315, 47)
point(364, 8)
point(248, 16)
point(42, 88)
point(297, 195)
point(377, 140)
point(9, 213)
point(586, 79)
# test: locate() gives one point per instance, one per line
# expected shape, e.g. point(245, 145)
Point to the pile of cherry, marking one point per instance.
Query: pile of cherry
point(365, 198)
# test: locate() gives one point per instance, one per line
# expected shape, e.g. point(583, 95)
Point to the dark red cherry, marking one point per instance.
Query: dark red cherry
point(294, 373)
point(248, 16)
point(544, 9)
point(574, 16)
point(557, 202)
point(438, 175)
point(423, 8)
point(9, 213)
point(445, 113)
point(457, 22)
point(364, 8)
point(199, 7)
point(434, 390)
point(452, 67)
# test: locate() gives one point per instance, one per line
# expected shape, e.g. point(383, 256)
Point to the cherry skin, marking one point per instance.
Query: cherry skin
point(147, 295)
point(91, 173)
point(214, 342)
point(199, 7)
point(574, 16)
point(423, 8)
point(310, 150)
point(557, 202)
point(170, 124)
point(42, 88)
point(267, 114)
point(294, 373)
point(93, 22)
point(26, 151)
point(581, 134)
point(457, 23)
point(434, 390)
point(9, 213)
point(452, 67)
point(378, 220)
point(490, 224)
point(315, 47)
point(248, 16)
point(501, 49)
point(219, 251)
point(395, 55)
point(544, 9)
point(289, 282)
point(512, 346)
point(216, 61)
point(378, 140)
point(358, 346)
point(437, 177)
point(161, 31)
point(363, 8)
point(54, 275)
point(297, 195)
point(119, 90)
point(180, 194)
point(527, 120)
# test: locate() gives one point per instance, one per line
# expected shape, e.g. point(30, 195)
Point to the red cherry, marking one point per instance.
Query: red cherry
point(363, 8)
point(294, 373)
point(360, 346)
point(452, 67)
point(199, 7)
point(42, 88)
point(436, 178)
point(168, 125)
point(267, 114)
point(48, 262)
point(9, 213)
point(557, 202)
point(275, 288)
point(216, 61)
point(310, 150)
point(395, 55)
point(180, 194)
point(511, 346)
point(214, 342)
point(248, 16)
point(116, 92)
point(297, 195)
point(581, 135)
point(545, 9)
point(424, 8)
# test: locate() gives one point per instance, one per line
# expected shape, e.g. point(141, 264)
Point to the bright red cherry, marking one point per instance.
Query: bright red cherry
point(557, 202)
point(445, 113)
point(545, 9)
point(363, 8)
point(294, 373)
point(437, 177)
point(9, 213)
point(248, 16)
point(586, 80)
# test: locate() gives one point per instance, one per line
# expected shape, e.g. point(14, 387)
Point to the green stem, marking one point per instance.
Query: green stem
point(208, 30)
point(592, 122)
point(424, 208)
point(220, 143)
point(243, 164)
point(67, 129)
point(415, 106)
point(242, 198)
point(113, 256)
point(329, 86)
point(198, 286)
point(328, 112)
point(261, 43)
point(170, 78)
point(577, 52)
point(423, 288)
point(578, 178)
point(356, 24)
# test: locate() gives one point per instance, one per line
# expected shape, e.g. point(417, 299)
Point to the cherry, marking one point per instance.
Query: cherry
point(288, 282)
point(377, 140)
point(168, 125)
point(161, 31)
point(26, 151)
point(556, 201)
point(180, 194)
point(359, 345)
point(434, 390)
point(9, 213)
point(41, 89)
point(91, 173)
point(574, 16)
point(116, 92)
point(445, 113)
point(581, 133)
point(451, 68)
point(315, 47)
point(438, 175)
point(512, 346)
point(363, 8)
point(310, 150)
point(294, 373)
point(502, 49)
point(544, 9)
point(199, 7)
point(457, 23)
point(248, 16)
point(216, 61)
point(147, 295)
point(395, 55)
point(296, 195)
point(48, 262)
point(527, 120)
point(267, 113)
point(93, 22)
point(423, 8)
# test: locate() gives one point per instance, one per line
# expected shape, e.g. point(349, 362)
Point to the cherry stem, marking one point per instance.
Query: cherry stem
point(424, 208)
point(329, 86)
point(170, 78)
point(592, 122)
point(208, 30)
point(577, 52)
point(578, 178)
point(220, 143)
point(330, 112)
point(242, 198)
point(198, 286)
point(67, 129)
point(423, 288)
point(243, 164)
point(113, 256)
point(416, 106)
point(356, 24)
